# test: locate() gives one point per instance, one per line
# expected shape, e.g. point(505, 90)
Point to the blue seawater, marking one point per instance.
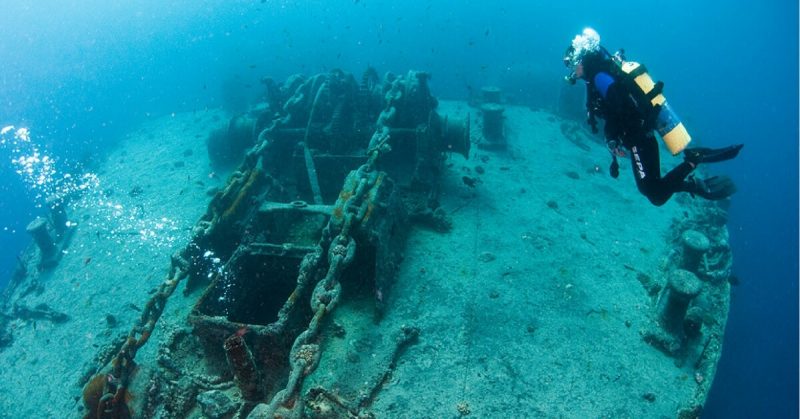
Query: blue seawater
point(80, 73)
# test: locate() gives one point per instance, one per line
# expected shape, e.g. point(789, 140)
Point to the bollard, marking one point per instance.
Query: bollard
point(58, 214)
point(695, 246)
point(493, 124)
point(693, 322)
point(38, 229)
point(682, 287)
point(49, 251)
point(491, 94)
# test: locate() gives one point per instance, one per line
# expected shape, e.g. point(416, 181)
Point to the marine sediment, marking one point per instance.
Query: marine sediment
point(354, 264)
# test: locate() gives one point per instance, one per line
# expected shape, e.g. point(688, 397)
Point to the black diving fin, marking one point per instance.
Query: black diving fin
point(711, 155)
point(713, 188)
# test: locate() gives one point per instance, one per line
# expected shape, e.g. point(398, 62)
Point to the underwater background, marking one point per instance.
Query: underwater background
point(79, 74)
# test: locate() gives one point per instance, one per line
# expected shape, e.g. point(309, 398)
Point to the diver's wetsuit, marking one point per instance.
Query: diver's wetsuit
point(608, 98)
point(647, 169)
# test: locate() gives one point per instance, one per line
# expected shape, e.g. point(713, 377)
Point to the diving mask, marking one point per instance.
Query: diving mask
point(584, 43)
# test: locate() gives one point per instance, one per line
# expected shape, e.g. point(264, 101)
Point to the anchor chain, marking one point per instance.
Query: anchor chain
point(305, 353)
point(112, 401)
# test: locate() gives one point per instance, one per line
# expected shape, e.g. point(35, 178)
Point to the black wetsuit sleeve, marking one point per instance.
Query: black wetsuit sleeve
point(593, 100)
point(592, 96)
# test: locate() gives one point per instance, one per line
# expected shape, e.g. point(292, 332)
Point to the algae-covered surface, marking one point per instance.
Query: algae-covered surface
point(536, 303)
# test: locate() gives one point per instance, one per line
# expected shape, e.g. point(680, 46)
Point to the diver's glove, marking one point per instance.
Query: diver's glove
point(615, 148)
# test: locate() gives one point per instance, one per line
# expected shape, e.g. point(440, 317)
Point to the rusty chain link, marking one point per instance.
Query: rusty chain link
point(112, 401)
point(304, 355)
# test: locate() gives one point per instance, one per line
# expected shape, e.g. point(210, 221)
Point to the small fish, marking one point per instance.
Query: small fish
point(242, 331)
point(86, 261)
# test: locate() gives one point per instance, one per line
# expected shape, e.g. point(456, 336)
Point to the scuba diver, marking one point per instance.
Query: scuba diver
point(632, 105)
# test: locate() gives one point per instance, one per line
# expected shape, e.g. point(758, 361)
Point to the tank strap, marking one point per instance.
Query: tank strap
point(657, 90)
point(638, 71)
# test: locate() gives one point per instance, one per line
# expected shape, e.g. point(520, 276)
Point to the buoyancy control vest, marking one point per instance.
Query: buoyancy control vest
point(650, 101)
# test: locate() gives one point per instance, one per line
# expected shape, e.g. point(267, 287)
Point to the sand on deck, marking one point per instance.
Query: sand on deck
point(531, 306)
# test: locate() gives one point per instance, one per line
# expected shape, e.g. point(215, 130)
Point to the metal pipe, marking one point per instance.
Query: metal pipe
point(243, 366)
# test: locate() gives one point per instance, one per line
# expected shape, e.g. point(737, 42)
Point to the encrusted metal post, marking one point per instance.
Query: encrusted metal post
point(243, 366)
point(493, 131)
point(58, 213)
point(38, 229)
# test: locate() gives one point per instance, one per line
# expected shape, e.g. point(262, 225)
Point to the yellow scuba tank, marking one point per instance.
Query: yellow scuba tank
point(667, 123)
